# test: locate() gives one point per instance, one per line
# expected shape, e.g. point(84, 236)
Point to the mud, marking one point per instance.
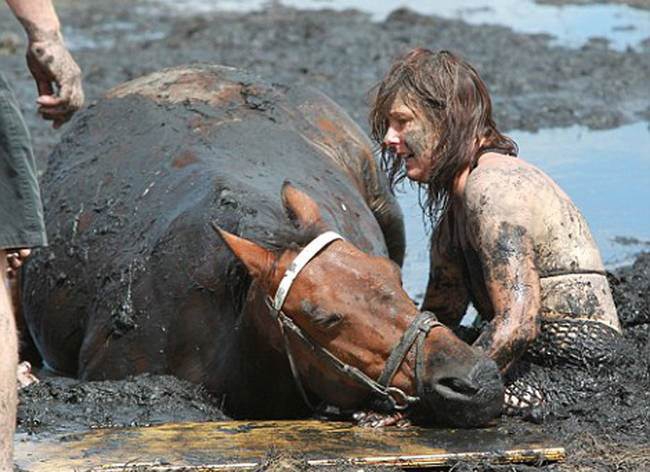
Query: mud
point(63, 405)
point(606, 428)
point(534, 84)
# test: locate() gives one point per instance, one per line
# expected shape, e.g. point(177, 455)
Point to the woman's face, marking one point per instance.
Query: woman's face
point(412, 138)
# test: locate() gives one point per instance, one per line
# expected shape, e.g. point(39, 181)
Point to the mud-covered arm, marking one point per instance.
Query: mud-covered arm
point(49, 60)
point(499, 228)
point(447, 295)
point(386, 210)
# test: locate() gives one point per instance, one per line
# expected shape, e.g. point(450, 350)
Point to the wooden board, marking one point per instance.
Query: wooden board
point(242, 445)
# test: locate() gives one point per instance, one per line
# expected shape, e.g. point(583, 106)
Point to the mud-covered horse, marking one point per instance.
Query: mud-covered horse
point(136, 280)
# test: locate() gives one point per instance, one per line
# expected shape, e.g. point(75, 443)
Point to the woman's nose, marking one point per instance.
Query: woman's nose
point(391, 138)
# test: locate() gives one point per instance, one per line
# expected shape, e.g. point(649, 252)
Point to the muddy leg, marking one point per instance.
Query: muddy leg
point(524, 395)
point(27, 350)
point(8, 365)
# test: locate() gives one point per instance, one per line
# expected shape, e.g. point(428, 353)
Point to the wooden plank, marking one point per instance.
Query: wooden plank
point(241, 445)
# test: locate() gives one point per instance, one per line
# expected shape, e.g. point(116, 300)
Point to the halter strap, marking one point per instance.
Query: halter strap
point(419, 327)
point(301, 260)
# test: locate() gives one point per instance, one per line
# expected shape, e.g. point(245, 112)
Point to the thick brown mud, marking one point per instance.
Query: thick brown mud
point(534, 84)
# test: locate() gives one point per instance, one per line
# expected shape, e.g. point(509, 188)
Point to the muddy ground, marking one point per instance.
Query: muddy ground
point(607, 429)
point(534, 85)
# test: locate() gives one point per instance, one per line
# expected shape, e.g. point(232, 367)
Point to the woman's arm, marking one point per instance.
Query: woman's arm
point(499, 223)
point(446, 294)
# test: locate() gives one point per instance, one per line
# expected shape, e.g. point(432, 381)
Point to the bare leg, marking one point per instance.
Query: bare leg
point(8, 366)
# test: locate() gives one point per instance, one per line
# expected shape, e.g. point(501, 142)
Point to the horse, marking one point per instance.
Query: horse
point(136, 280)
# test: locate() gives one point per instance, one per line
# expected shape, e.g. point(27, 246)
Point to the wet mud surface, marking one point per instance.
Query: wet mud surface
point(607, 427)
point(534, 85)
point(59, 404)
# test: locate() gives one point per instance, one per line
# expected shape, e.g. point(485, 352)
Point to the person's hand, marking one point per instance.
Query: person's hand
point(373, 419)
point(51, 64)
point(15, 259)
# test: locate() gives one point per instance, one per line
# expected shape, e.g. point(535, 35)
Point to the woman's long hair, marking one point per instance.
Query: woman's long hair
point(448, 92)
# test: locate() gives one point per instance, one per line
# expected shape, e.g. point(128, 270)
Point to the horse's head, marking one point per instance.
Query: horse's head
point(352, 304)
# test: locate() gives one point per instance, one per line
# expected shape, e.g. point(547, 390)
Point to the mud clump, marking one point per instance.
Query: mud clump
point(59, 404)
point(631, 290)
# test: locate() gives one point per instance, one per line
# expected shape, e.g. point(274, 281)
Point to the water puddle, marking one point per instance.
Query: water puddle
point(606, 173)
point(570, 25)
point(108, 35)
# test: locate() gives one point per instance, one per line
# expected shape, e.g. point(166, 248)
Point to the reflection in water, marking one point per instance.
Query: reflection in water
point(606, 173)
point(571, 25)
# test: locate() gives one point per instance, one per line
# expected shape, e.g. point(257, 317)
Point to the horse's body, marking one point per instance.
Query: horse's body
point(135, 280)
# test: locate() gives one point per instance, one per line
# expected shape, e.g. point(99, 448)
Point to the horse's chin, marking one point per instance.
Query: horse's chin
point(469, 402)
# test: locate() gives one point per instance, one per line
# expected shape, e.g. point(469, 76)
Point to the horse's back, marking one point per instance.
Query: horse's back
point(135, 279)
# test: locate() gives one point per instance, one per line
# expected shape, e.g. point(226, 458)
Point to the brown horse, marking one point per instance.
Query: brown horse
point(352, 304)
point(135, 280)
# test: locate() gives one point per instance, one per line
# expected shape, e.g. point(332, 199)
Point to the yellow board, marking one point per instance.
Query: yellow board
point(242, 445)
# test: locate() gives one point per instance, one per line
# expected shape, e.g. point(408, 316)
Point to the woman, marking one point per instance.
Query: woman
point(506, 237)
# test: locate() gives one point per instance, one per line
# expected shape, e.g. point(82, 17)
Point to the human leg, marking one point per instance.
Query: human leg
point(558, 368)
point(8, 365)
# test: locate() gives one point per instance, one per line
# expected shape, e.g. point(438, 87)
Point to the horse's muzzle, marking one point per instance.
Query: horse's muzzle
point(466, 401)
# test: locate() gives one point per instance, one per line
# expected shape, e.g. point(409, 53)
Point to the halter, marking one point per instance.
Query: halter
point(396, 398)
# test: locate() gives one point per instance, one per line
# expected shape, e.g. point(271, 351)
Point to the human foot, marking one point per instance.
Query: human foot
point(24, 375)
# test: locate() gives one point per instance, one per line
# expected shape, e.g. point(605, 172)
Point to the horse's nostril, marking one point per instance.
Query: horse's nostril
point(458, 386)
point(466, 401)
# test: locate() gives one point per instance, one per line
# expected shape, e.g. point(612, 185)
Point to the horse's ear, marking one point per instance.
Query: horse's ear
point(301, 207)
point(257, 259)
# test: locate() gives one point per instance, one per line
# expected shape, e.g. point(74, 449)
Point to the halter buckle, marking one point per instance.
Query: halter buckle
point(399, 400)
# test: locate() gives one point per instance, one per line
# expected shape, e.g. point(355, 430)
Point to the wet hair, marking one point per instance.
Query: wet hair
point(448, 92)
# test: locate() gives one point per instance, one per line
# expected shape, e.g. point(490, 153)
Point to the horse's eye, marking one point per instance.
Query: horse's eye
point(327, 320)
point(320, 317)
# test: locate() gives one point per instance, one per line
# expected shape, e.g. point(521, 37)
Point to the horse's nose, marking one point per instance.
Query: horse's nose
point(470, 400)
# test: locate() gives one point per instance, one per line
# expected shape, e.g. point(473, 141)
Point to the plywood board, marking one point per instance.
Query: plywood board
point(242, 445)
